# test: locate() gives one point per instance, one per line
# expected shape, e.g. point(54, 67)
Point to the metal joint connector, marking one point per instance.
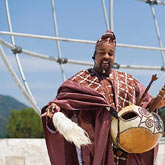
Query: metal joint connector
point(162, 68)
point(116, 66)
point(62, 60)
point(17, 49)
point(152, 2)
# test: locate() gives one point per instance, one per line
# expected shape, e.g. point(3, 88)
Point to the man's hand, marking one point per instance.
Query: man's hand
point(50, 110)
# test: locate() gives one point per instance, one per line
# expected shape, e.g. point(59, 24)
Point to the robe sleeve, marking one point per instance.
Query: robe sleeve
point(74, 97)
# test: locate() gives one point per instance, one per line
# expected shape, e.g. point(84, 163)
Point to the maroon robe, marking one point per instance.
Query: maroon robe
point(87, 95)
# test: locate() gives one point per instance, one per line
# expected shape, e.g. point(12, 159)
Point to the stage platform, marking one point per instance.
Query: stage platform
point(34, 152)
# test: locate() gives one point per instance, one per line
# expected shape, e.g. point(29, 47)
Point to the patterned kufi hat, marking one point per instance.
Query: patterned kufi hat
point(109, 36)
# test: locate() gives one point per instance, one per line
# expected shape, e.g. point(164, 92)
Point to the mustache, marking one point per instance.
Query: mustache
point(105, 60)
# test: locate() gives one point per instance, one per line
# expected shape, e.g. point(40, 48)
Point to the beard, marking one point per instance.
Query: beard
point(105, 67)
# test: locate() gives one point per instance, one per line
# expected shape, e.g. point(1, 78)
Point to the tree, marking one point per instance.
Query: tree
point(24, 124)
point(162, 115)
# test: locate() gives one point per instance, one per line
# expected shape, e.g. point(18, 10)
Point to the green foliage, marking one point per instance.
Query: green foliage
point(162, 115)
point(3, 123)
point(24, 124)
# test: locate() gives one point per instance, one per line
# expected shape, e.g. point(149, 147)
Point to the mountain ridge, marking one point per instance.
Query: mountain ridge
point(7, 104)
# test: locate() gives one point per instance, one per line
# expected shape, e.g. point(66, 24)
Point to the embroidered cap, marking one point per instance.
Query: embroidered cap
point(109, 36)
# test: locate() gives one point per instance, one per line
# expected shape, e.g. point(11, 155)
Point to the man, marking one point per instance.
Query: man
point(84, 98)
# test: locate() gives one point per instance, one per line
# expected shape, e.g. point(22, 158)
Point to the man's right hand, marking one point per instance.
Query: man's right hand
point(50, 110)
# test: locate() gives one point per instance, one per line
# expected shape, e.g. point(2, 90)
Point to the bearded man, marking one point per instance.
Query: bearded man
point(83, 98)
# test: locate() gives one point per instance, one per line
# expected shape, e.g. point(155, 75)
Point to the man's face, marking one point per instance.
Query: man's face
point(104, 57)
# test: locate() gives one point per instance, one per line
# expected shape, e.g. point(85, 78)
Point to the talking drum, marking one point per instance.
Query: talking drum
point(136, 130)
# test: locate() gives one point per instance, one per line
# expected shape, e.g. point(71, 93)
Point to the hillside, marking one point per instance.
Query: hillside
point(7, 103)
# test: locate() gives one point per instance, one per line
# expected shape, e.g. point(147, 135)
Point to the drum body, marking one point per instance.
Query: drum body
point(139, 130)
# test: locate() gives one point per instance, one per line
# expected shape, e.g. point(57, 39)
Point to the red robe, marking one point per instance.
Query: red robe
point(87, 95)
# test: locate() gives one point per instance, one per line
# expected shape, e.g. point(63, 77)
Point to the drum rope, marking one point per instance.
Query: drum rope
point(118, 132)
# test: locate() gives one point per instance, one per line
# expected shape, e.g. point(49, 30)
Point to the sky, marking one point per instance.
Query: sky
point(133, 24)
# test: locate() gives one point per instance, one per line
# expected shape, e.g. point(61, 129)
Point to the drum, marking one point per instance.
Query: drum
point(136, 130)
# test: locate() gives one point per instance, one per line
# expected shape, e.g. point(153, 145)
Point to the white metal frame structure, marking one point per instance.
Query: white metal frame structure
point(109, 25)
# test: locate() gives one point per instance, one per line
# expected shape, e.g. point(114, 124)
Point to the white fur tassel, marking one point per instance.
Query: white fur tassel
point(70, 130)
